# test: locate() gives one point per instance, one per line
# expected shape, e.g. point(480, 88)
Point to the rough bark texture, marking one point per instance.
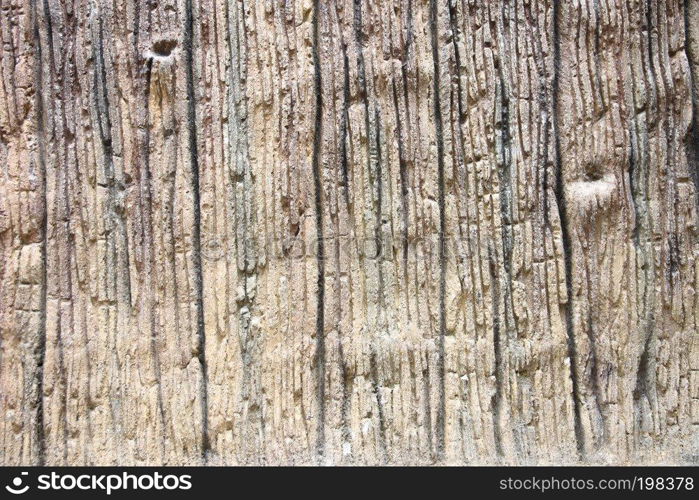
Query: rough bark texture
point(349, 231)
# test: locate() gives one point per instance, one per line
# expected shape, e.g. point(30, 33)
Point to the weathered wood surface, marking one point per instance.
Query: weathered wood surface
point(349, 231)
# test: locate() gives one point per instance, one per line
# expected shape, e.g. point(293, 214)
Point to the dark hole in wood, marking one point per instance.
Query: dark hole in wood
point(593, 172)
point(164, 48)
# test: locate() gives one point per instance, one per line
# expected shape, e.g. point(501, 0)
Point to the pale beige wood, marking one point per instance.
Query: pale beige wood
point(349, 232)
